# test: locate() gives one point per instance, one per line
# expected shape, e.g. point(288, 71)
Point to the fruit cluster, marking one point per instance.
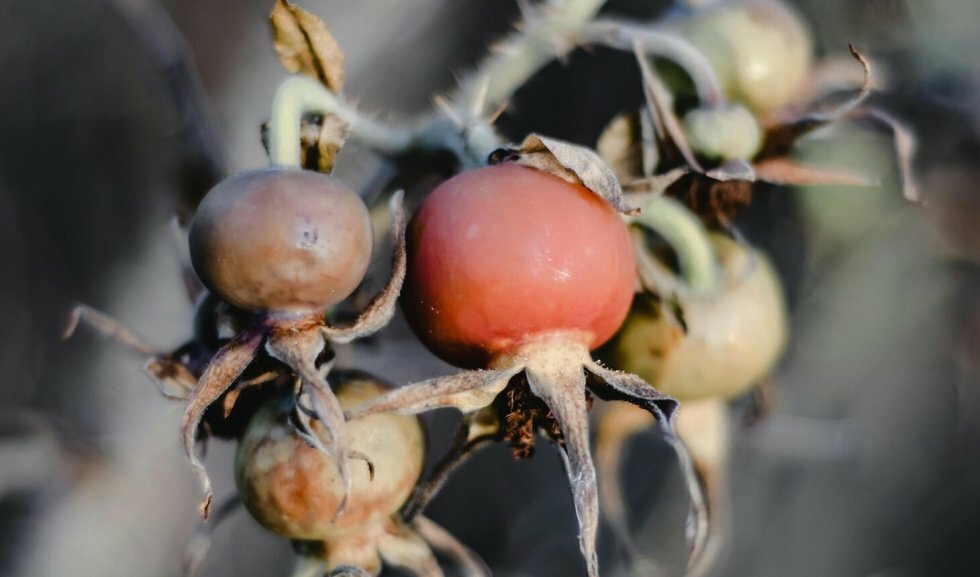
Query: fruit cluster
point(517, 270)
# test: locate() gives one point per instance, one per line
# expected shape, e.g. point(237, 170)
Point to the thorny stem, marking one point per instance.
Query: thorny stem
point(548, 33)
point(687, 236)
point(654, 42)
point(299, 95)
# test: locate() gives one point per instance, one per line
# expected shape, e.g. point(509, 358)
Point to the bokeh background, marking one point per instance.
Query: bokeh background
point(112, 111)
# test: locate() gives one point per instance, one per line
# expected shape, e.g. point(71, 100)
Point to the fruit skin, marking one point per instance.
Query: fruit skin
point(281, 240)
point(761, 50)
point(733, 340)
point(294, 489)
point(729, 132)
point(504, 255)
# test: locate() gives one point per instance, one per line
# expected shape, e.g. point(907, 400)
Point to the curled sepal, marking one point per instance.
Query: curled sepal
point(382, 307)
point(570, 162)
point(225, 367)
point(779, 139)
point(200, 543)
point(468, 562)
point(905, 147)
point(613, 385)
point(305, 46)
point(402, 547)
point(298, 349)
point(563, 391)
point(467, 391)
point(734, 169)
point(473, 434)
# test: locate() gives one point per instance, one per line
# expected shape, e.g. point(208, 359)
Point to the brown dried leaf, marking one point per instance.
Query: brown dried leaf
point(789, 172)
point(305, 45)
point(382, 308)
point(570, 162)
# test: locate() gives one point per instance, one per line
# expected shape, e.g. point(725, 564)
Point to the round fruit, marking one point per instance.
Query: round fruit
point(733, 338)
point(501, 256)
point(294, 489)
point(730, 132)
point(761, 50)
point(281, 240)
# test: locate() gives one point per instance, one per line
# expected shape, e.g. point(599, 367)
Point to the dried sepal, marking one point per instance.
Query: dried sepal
point(382, 307)
point(786, 171)
point(225, 367)
point(467, 562)
point(305, 46)
point(905, 147)
point(471, 436)
point(200, 542)
point(735, 169)
point(107, 327)
point(563, 391)
point(667, 127)
point(467, 391)
point(570, 162)
point(174, 380)
point(402, 547)
point(779, 139)
point(298, 349)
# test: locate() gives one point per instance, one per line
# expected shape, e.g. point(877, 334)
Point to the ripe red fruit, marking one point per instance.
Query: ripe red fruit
point(281, 240)
point(505, 255)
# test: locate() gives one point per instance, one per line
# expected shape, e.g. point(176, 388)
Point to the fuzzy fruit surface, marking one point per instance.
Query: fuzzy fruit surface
point(294, 489)
point(281, 240)
point(506, 255)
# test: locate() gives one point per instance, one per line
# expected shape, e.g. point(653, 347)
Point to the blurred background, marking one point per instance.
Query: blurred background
point(114, 112)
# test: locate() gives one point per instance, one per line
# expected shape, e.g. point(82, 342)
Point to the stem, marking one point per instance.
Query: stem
point(299, 95)
point(687, 236)
point(654, 42)
point(549, 34)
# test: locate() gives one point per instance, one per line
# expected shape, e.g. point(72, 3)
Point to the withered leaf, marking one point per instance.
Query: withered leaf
point(305, 46)
point(570, 162)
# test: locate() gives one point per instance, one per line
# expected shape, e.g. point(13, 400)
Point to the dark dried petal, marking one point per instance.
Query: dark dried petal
point(563, 390)
point(305, 45)
point(468, 562)
point(226, 366)
point(382, 308)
